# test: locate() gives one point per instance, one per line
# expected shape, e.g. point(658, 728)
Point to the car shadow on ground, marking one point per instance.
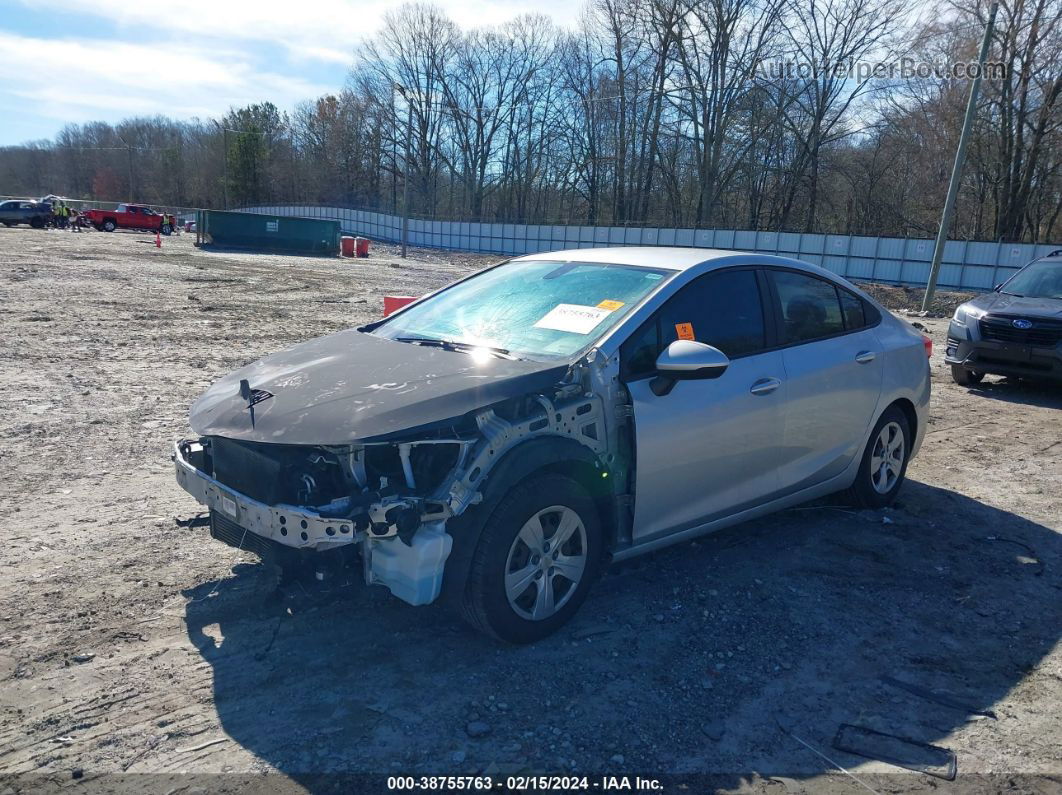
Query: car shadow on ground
point(1030, 393)
point(705, 658)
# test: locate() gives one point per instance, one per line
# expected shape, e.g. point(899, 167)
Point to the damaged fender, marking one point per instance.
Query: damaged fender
point(401, 499)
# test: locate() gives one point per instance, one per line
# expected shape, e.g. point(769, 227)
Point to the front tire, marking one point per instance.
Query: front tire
point(963, 377)
point(109, 225)
point(536, 558)
point(884, 465)
point(166, 229)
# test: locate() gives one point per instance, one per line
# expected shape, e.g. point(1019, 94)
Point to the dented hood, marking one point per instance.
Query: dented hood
point(354, 386)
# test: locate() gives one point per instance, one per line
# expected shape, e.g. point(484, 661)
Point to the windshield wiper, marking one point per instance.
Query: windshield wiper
point(459, 347)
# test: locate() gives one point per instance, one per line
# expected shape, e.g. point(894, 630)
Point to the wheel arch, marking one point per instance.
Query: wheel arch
point(908, 409)
point(532, 457)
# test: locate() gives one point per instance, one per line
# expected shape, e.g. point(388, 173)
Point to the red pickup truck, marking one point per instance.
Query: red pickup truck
point(130, 216)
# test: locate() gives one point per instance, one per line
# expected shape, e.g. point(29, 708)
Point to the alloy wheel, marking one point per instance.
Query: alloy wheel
point(886, 461)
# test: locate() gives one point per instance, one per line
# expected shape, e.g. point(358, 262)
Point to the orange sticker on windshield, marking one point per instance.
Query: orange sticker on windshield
point(611, 306)
point(684, 331)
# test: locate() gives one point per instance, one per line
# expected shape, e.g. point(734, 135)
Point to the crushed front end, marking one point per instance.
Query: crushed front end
point(283, 501)
point(387, 501)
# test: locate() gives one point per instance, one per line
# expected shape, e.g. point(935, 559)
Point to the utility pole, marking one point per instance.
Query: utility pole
point(129, 163)
point(225, 185)
point(224, 139)
point(292, 144)
point(225, 143)
point(130, 152)
point(405, 187)
point(960, 157)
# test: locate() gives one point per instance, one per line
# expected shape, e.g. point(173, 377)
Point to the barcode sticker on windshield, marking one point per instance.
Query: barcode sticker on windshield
point(573, 318)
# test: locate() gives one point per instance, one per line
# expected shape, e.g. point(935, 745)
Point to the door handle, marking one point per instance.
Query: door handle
point(765, 386)
point(864, 357)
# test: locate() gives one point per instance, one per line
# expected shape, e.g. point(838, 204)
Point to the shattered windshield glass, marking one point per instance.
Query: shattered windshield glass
point(528, 308)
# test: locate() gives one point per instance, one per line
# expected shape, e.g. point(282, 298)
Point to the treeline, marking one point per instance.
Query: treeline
point(657, 112)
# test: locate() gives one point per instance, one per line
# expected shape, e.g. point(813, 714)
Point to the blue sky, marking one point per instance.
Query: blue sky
point(105, 59)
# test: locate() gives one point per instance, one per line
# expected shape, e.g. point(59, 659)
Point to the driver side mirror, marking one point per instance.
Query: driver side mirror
point(686, 360)
point(998, 287)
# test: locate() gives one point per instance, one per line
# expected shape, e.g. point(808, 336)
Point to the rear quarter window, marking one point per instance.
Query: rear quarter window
point(852, 307)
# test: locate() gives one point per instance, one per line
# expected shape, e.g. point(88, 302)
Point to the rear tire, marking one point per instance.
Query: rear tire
point(523, 584)
point(884, 464)
point(963, 377)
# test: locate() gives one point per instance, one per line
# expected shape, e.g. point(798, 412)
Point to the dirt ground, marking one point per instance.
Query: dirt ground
point(138, 653)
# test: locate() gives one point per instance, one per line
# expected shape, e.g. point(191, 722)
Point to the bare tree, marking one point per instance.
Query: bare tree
point(650, 111)
point(824, 37)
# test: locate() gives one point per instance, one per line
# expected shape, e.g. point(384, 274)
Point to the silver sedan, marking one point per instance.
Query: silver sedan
point(499, 441)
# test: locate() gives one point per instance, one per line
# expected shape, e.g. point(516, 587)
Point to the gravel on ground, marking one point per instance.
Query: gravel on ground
point(131, 642)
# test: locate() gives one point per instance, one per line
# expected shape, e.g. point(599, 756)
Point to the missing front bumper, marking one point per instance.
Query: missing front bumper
point(412, 571)
point(282, 524)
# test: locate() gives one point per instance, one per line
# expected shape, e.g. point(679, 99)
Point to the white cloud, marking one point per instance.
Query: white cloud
point(140, 79)
point(214, 53)
point(308, 52)
point(328, 30)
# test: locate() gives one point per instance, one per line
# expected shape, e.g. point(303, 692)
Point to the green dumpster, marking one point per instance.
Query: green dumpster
point(276, 233)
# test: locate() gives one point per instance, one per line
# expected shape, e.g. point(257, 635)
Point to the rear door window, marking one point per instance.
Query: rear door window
point(723, 309)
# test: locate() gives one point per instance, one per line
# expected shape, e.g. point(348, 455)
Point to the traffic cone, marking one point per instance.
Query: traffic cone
point(158, 239)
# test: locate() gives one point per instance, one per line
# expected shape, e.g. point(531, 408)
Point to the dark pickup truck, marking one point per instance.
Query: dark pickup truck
point(24, 211)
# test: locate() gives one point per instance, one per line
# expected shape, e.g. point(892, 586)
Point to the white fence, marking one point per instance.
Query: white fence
point(967, 265)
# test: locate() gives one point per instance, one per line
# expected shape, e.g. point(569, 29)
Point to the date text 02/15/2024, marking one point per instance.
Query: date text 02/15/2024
point(541, 783)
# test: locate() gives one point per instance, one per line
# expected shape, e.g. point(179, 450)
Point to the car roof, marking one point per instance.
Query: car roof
point(680, 259)
point(672, 257)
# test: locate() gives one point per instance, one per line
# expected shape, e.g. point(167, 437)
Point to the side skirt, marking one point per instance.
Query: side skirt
point(834, 484)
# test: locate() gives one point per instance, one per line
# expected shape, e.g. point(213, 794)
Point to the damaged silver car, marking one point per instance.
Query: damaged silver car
point(497, 442)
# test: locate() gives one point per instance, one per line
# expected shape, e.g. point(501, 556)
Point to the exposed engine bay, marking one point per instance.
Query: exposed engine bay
point(392, 498)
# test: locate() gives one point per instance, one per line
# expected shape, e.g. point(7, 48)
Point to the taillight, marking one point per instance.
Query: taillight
point(928, 343)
